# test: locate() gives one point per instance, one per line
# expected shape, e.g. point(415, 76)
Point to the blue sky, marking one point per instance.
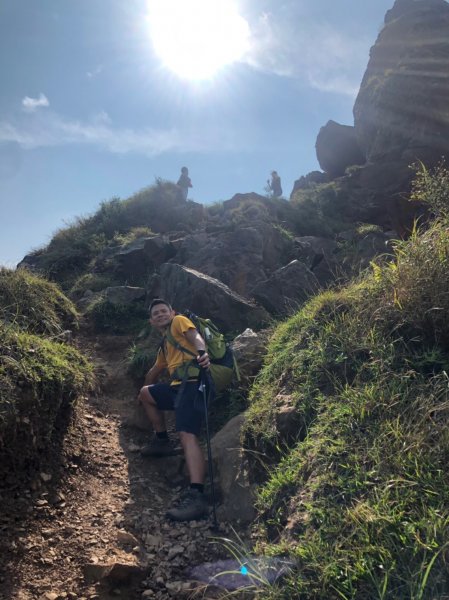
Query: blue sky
point(89, 111)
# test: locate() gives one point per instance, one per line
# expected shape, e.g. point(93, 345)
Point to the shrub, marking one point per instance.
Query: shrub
point(319, 210)
point(122, 239)
point(117, 318)
point(432, 188)
point(91, 281)
point(139, 361)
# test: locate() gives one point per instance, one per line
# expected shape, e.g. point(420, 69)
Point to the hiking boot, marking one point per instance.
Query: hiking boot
point(190, 507)
point(160, 448)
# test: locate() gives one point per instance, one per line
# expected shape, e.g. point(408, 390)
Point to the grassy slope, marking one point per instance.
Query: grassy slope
point(40, 377)
point(359, 499)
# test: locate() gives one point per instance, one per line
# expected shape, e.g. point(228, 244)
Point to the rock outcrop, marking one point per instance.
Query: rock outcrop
point(286, 289)
point(401, 116)
point(308, 181)
point(232, 468)
point(187, 288)
point(337, 148)
point(401, 110)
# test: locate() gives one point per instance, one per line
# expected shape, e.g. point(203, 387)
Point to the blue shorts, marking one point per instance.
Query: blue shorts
point(190, 410)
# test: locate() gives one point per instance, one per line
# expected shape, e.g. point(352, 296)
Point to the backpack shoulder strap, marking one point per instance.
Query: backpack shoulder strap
point(171, 340)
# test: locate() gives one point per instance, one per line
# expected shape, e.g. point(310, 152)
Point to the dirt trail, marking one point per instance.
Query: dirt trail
point(91, 525)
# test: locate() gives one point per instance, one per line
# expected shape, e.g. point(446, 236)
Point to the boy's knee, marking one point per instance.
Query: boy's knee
point(145, 396)
point(185, 436)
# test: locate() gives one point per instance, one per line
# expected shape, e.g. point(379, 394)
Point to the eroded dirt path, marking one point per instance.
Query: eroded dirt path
point(91, 525)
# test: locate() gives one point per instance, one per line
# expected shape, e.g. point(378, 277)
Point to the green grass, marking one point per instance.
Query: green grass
point(74, 249)
point(118, 319)
point(358, 496)
point(40, 377)
point(35, 304)
point(40, 381)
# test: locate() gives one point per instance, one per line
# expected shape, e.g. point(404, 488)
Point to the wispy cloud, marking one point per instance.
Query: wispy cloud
point(50, 129)
point(288, 43)
point(32, 104)
point(95, 72)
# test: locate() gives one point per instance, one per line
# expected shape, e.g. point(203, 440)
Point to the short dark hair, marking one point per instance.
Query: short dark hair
point(157, 301)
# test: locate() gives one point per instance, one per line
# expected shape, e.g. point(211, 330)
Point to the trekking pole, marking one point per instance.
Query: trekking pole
point(209, 450)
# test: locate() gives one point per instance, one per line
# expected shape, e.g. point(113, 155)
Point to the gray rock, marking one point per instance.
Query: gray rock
point(337, 148)
point(309, 181)
point(286, 289)
point(206, 296)
point(124, 294)
point(141, 257)
point(402, 103)
point(232, 470)
point(249, 349)
point(240, 257)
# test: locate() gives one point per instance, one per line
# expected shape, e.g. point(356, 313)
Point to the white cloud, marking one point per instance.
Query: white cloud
point(287, 43)
point(95, 72)
point(50, 129)
point(31, 104)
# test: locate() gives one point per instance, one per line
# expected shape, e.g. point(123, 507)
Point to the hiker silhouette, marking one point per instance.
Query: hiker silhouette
point(275, 185)
point(184, 182)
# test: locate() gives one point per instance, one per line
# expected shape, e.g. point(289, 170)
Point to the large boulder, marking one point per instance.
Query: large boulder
point(286, 289)
point(306, 182)
point(401, 109)
point(142, 256)
point(232, 470)
point(241, 257)
point(124, 294)
point(320, 255)
point(249, 350)
point(206, 296)
point(337, 148)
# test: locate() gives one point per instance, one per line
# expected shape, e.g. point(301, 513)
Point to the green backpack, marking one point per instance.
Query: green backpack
point(222, 360)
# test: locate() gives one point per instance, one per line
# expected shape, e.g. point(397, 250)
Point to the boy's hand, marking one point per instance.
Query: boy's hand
point(203, 359)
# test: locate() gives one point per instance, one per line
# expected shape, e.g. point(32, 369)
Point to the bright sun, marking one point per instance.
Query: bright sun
point(195, 38)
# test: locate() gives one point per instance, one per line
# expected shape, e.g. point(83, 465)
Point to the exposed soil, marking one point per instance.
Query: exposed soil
point(90, 523)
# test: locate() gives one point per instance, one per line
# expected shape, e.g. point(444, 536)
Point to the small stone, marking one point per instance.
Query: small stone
point(152, 541)
point(148, 594)
point(175, 551)
point(45, 477)
point(124, 537)
point(173, 586)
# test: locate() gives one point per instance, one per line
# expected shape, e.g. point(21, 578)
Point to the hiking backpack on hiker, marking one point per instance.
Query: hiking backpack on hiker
point(222, 361)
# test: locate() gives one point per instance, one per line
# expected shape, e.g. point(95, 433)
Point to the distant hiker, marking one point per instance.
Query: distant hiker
point(184, 182)
point(180, 396)
point(275, 185)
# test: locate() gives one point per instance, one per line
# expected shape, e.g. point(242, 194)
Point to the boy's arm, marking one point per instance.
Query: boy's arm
point(153, 374)
point(199, 344)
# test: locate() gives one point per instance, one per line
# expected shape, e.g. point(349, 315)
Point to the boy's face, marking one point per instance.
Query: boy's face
point(161, 316)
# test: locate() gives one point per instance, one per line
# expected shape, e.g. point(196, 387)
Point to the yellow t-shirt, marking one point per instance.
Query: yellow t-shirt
point(172, 358)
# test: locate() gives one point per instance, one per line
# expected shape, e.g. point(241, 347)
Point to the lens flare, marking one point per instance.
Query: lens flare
point(195, 38)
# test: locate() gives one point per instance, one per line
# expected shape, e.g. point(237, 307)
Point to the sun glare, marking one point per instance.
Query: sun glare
point(195, 38)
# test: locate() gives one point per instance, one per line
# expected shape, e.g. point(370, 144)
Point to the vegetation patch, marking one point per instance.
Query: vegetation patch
point(34, 304)
point(118, 319)
point(74, 249)
point(40, 380)
point(358, 499)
